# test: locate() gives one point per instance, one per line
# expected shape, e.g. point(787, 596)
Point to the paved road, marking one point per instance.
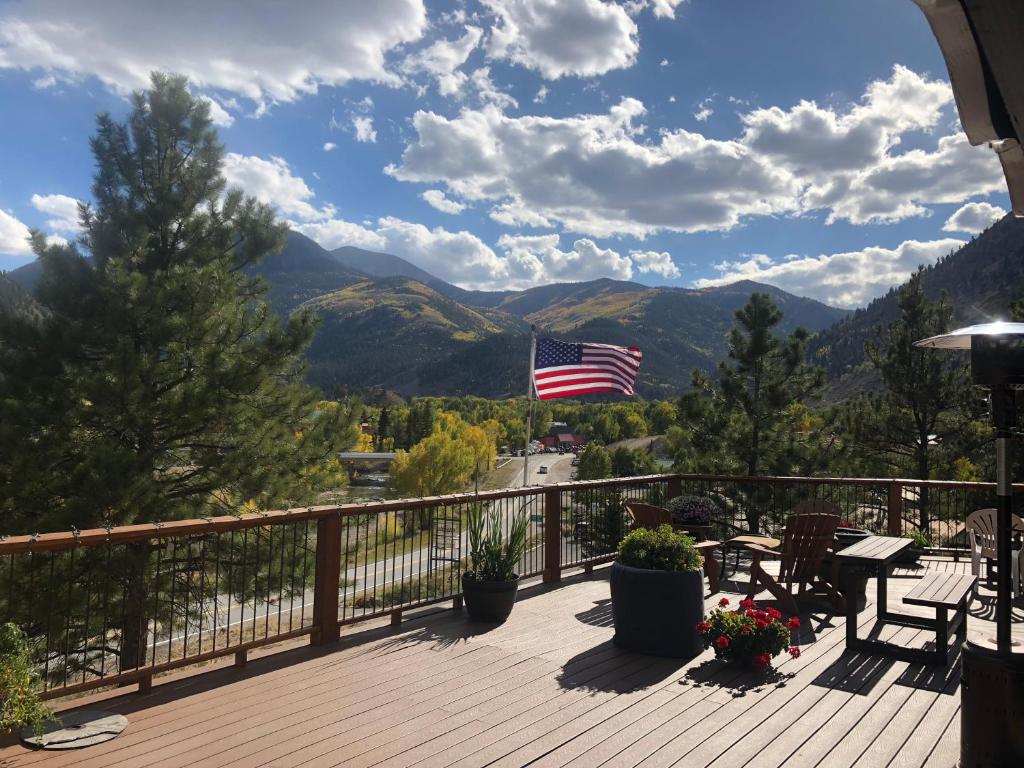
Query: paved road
point(391, 570)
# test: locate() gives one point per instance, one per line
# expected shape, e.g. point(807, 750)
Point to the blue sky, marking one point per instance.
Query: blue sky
point(508, 143)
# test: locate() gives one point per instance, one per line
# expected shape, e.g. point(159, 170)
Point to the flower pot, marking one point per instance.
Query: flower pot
point(489, 601)
point(847, 536)
point(657, 612)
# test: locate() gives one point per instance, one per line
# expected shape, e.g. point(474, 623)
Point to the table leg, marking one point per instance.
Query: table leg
point(851, 619)
point(882, 598)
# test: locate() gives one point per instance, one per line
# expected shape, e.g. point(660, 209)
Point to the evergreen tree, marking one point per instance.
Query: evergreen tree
point(742, 422)
point(925, 419)
point(156, 383)
point(595, 463)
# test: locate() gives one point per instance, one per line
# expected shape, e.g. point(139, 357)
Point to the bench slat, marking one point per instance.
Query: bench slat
point(941, 590)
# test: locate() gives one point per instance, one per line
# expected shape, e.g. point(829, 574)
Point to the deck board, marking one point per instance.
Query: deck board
point(546, 689)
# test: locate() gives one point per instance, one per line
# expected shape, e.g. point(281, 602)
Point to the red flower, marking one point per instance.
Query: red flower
point(761, 623)
point(723, 602)
point(722, 642)
point(794, 651)
point(748, 604)
point(773, 613)
point(703, 626)
point(793, 623)
point(747, 629)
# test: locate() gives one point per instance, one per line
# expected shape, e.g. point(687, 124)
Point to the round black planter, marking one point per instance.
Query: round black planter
point(657, 612)
point(489, 601)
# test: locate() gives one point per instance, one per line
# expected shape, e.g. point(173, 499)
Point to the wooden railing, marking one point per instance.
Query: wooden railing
point(119, 605)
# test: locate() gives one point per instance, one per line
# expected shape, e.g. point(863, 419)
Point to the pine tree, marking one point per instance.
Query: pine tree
point(157, 384)
point(926, 414)
point(742, 423)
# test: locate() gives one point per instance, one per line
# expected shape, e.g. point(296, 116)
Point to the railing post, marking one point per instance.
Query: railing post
point(675, 486)
point(895, 508)
point(552, 535)
point(327, 580)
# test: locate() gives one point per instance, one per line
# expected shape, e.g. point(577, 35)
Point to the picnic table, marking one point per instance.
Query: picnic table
point(944, 592)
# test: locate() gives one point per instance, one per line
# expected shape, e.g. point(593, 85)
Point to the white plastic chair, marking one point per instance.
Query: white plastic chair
point(981, 530)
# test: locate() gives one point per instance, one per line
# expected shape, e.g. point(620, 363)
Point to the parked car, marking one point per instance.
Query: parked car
point(543, 469)
point(575, 461)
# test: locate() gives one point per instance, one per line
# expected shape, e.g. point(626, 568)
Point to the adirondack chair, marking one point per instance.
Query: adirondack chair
point(645, 515)
point(810, 534)
point(981, 530)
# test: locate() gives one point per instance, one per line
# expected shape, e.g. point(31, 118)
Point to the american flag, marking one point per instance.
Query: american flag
point(569, 370)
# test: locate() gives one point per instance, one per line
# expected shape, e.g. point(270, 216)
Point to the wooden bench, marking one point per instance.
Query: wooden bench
point(944, 592)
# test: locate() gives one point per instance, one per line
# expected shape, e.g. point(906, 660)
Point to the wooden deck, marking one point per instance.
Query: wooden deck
point(546, 689)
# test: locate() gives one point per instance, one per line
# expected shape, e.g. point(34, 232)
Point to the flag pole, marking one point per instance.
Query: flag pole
point(530, 392)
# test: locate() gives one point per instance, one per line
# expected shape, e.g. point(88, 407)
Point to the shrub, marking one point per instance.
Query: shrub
point(691, 510)
point(20, 706)
point(660, 550)
point(748, 635)
point(921, 539)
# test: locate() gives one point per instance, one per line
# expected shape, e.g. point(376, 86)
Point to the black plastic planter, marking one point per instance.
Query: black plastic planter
point(657, 612)
point(489, 601)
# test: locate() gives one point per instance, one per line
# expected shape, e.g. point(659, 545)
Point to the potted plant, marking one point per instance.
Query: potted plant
point(490, 585)
point(692, 512)
point(20, 706)
point(657, 593)
point(913, 553)
point(748, 636)
point(848, 533)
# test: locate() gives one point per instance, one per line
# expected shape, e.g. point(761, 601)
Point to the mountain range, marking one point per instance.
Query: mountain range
point(386, 323)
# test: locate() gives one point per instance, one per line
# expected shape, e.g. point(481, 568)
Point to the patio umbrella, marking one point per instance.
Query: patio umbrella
point(993, 675)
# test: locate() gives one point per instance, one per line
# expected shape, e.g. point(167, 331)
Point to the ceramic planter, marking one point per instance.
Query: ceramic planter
point(657, 612)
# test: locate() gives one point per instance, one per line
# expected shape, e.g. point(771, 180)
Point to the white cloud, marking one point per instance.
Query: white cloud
point(542, 95)
point(437, 199)
point(841, 279)
point(592, 174)
point(973, 218)
point(334, 233)
point(13, 236)
point(666, 8)
point(663, 63)
point(442, 59)
point(704, 110)
point(62, 210)
point(363, 127)
point(329, 146)
point(487, 92)
point(563, 37)
point(656, 263)
point(271, 54)
point(586, 260)
point(218, 115)
point(601, 175)
point(271, 181)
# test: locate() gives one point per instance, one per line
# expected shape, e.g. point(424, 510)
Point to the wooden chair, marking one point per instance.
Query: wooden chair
point(810, 534)
point(981, 532)
point(645, 515)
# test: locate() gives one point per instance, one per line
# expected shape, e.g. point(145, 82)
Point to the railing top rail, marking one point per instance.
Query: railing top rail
point(48, 542)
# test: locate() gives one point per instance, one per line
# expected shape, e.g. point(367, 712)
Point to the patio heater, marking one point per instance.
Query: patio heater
point(992, 676)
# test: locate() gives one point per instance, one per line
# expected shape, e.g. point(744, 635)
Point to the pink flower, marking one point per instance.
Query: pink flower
point(722, 642)
point(794, 651)
point(793, 623)
point(723, 602)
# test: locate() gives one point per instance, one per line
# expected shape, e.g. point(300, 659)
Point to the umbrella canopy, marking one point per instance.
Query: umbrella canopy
point(961, 338)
